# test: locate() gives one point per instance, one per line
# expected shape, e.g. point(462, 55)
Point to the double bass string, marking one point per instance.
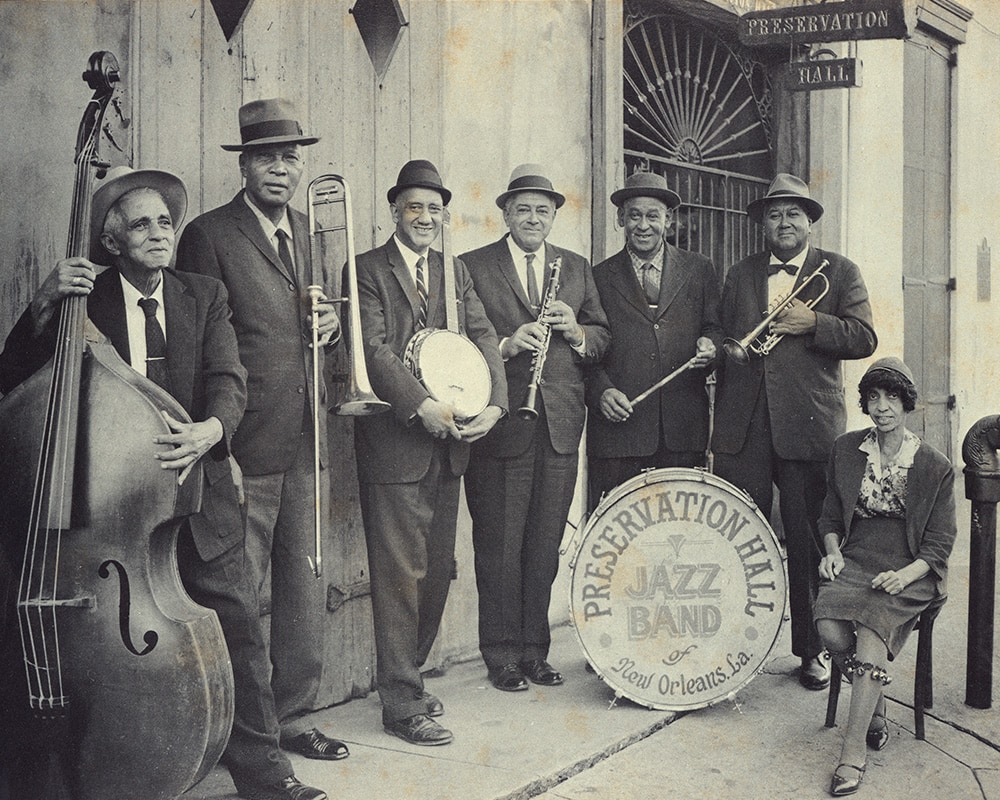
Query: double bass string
point(41, 567)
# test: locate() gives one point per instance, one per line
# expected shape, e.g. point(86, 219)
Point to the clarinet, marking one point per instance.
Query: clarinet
point(527, 411)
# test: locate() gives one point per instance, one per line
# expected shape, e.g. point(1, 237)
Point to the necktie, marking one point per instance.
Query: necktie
point(651, 284)
point(422, 295)
point(285, 253)
point(774, 269)
point(532, 283)
point(156, 345)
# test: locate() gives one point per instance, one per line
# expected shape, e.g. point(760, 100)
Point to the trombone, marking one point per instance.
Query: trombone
point(739, 351)
point(326, 193)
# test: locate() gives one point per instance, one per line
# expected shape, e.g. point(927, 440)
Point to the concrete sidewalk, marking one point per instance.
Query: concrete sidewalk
point(576, 743)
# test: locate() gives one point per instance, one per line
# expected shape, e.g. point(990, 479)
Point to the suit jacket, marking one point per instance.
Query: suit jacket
point(206, 378)
point(269, 308)
point(802, 376)
point(394, 447)
point(646, 346)
point(561, 387)
point(929, 501)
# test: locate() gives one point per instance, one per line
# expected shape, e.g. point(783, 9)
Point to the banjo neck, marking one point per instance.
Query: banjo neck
point(451, 297)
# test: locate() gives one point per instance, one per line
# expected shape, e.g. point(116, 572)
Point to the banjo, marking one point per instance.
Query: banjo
point(446, 362)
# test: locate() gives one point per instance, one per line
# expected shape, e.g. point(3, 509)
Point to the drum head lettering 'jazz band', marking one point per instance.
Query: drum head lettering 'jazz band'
point(677, 589)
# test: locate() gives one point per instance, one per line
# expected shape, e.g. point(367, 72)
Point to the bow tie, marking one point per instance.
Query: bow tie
point(774, 269)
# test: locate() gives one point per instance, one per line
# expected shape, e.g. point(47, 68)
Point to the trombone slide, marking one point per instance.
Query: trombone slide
point(316, 297)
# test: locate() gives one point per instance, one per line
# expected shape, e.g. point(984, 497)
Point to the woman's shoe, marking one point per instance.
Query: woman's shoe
point(878, 738)
point(841, 785)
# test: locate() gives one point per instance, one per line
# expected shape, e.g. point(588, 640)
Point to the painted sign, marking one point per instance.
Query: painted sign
point(836, 73)
point(828, 22)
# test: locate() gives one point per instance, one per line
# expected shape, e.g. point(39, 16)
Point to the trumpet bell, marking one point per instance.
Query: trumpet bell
point(736, 351)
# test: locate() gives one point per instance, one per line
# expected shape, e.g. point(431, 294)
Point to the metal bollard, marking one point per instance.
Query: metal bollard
point(982, 487)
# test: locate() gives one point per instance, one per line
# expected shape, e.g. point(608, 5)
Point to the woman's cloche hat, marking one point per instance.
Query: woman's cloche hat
point(891, 364)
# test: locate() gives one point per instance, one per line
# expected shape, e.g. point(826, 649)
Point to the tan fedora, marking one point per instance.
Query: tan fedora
point(271, 121)
point(646, 184)
point(419, 174)
point(785, 187)
point(529, 178)
point(122, 180)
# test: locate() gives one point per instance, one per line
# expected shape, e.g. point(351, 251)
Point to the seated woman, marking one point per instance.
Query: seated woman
point(888, 525)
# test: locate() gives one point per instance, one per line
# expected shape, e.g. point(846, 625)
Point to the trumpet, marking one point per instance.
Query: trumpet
point(739, 351)
point(325, 193)
point(527, 411)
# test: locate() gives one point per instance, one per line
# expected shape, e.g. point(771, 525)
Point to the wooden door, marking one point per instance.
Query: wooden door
point(927, 278)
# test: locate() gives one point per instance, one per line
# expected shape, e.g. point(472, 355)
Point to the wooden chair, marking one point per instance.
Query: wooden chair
point(923, 680)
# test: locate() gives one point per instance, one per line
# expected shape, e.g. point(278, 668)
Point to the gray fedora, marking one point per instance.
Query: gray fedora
point(785, 187)
point(646, 184)
point(529, 178)
point(271, 121)
point(121, 180)
point(420, 174)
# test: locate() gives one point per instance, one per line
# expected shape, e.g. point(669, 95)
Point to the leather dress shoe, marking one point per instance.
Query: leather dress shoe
point(540, 671)
point(815, 672)
point(435, 708)
point(841, 785)
point(508, 678)
point(314, 744)
point(291, 788)
point(418, 729)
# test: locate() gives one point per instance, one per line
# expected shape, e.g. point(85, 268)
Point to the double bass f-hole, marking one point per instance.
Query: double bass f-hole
point(125, 609)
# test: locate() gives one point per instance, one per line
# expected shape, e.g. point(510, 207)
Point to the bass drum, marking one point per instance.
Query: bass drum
point(677, 590)
point(451, 368)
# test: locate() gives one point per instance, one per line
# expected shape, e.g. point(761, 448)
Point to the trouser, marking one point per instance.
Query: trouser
point(802, 486)
point(519, 507)
point(281, 532)
point(410, 534)
point(605, 474)
point(224, 584)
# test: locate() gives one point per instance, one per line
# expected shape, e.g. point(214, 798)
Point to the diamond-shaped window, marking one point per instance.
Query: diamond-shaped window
point(381, 24)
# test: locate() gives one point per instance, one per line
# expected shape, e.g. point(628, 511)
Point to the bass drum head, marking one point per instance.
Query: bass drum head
point(677, 591)
point(452, 369)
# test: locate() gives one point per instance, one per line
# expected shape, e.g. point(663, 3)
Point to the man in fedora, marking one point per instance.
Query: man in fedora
point(663, 307)
point(259, 246)
point(174, 328)
point(521, 478)
point(410, 460)
point(778, 415)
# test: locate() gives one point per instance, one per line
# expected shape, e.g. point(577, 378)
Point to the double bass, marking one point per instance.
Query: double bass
point(125, 689)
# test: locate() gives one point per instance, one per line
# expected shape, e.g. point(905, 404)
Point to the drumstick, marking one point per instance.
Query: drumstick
point(660, 384)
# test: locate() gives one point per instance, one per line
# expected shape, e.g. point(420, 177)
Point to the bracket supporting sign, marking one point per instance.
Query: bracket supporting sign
point(829, 22)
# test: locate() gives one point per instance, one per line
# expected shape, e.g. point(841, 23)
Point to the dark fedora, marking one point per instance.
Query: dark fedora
point(646, 184)
point(271, 121)
point(785, 187)
point(122, 180)
point(419, 174)
point(529, 178)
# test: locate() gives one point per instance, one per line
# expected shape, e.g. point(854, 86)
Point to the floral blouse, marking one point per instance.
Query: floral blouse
point(883, 486)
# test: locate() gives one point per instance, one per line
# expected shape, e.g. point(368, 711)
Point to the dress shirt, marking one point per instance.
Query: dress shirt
point(410, 258)
point(780, 285)
point(135, 321)
point(518, 255)
point(656, 263)
point(271, 230)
